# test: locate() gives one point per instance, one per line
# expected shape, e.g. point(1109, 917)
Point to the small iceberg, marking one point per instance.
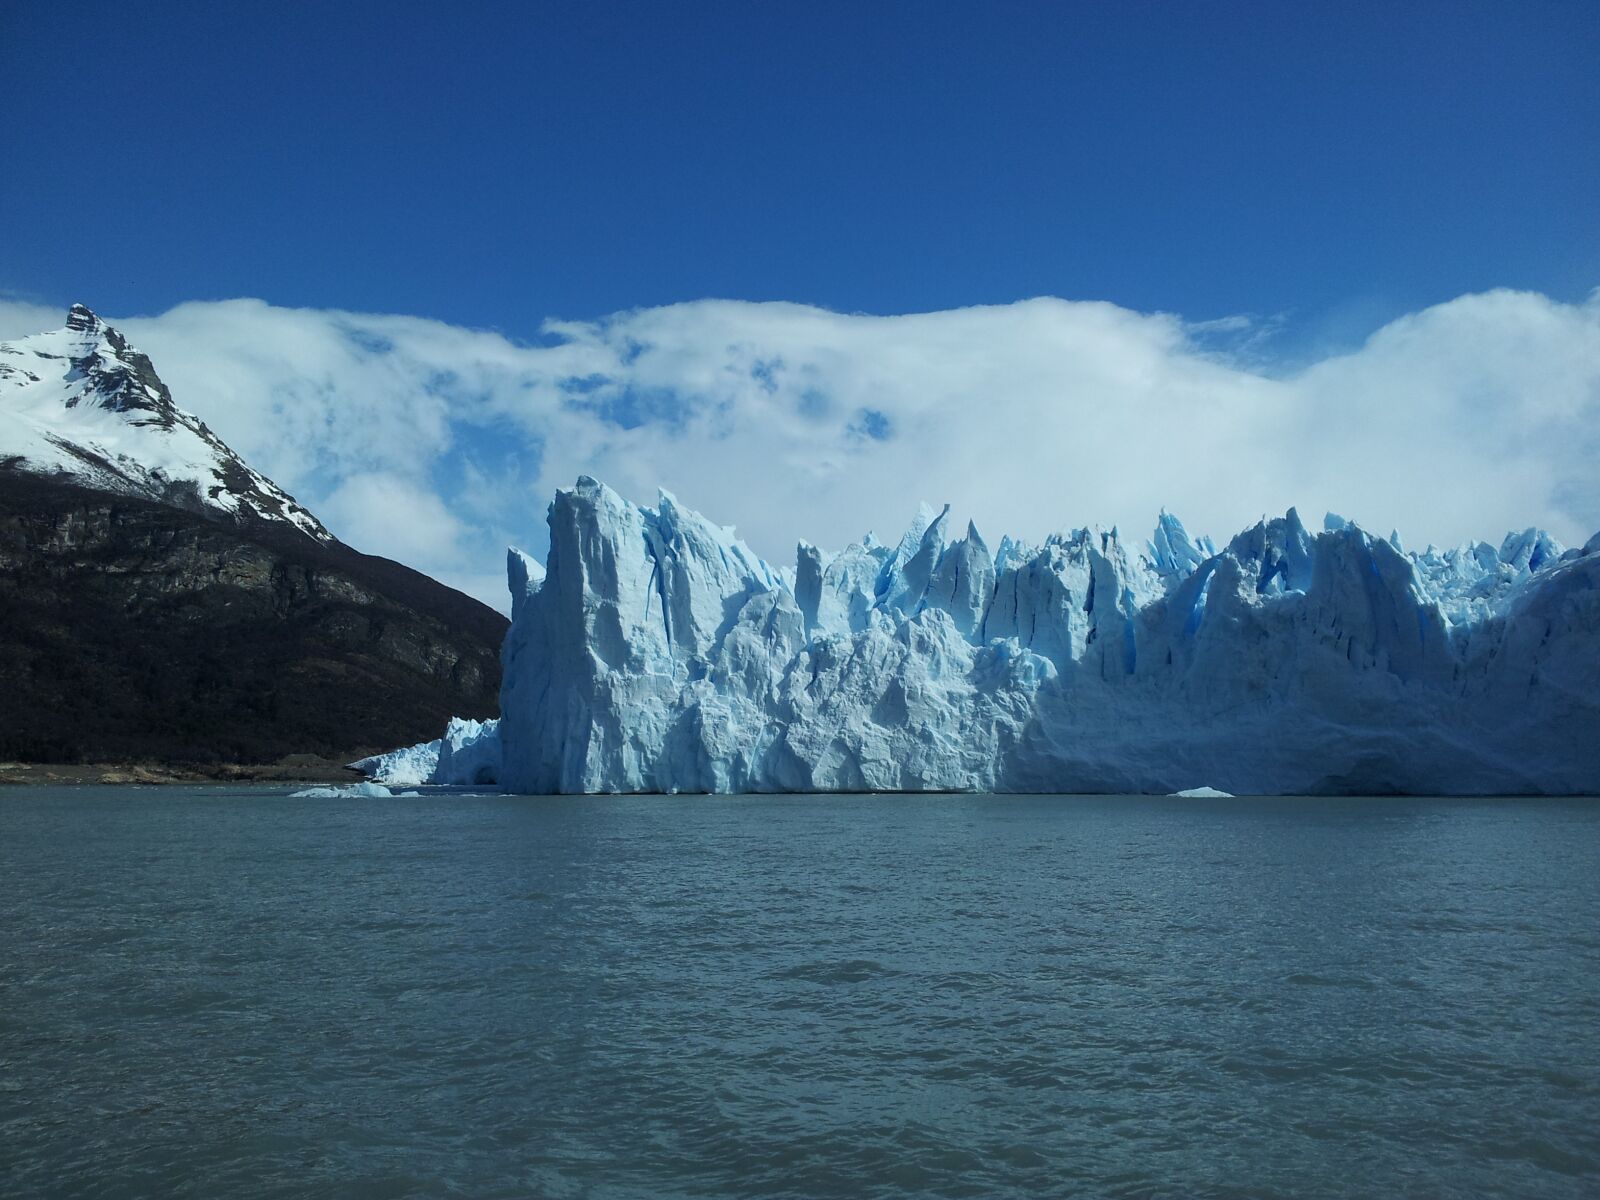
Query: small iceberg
point(352, 791)
point(1202, 793)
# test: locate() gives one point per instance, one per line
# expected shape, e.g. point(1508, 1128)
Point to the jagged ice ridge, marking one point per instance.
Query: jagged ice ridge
point(657, 653)
point(468, 753)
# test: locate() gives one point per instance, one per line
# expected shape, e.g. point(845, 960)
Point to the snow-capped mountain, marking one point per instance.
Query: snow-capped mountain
point(80, 404)
point(161, 601)
point(658, 653)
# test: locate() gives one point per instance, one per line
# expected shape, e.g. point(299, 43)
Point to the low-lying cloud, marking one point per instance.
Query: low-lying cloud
point(437, 445)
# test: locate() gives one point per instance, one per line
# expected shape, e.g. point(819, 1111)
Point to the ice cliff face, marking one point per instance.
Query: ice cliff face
point(657, 653)
point(81, 404)
point(468, 754)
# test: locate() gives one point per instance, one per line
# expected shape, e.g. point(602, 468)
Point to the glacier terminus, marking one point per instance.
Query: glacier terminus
point(655, 652)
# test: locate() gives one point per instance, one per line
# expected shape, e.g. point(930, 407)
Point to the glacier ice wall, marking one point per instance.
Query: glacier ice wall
point(656, 652)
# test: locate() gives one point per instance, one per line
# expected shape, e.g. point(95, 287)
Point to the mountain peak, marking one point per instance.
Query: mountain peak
point(83, 403)
point(82, 319)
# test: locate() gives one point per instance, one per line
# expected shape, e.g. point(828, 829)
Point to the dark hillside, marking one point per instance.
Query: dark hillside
point(133, 631)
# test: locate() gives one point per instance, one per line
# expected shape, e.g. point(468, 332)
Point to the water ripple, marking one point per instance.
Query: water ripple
point(211, 993)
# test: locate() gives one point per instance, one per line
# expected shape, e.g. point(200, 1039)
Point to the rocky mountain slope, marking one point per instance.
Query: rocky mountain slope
point(162, 601)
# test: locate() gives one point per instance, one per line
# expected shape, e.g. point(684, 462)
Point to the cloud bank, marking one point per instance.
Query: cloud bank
point(437, 445)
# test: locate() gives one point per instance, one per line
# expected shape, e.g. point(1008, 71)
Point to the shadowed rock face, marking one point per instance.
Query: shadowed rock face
point(131, 630)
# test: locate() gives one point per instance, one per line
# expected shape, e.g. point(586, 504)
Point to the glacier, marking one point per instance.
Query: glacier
point(467, 755)
point(655, 652)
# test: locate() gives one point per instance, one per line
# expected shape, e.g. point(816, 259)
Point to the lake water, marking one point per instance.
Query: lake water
point(213, 992)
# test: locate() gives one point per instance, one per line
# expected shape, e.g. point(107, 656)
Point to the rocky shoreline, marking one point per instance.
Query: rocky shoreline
point(295, 768)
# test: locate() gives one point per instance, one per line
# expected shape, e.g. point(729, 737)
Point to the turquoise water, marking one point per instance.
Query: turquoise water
point(207, 992)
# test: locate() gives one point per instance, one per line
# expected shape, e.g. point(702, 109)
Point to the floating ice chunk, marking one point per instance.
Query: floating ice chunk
point(350, 791)
point(1203, 793)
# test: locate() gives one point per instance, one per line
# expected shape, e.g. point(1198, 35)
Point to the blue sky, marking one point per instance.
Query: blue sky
point(423, 264)
point(496, 165)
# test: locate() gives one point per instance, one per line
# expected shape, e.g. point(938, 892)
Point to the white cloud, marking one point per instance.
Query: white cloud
point(18, 318)
point(385, 514)
point(437, 444)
